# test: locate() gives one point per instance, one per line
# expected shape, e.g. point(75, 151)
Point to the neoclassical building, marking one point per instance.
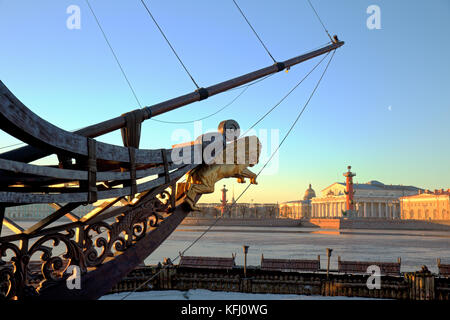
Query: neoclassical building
point(372, 200)
point(298, 209)
point(427, 205)
point(39, 211)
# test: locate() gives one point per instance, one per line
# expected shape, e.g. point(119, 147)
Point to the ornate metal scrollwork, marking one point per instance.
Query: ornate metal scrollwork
point(7, 283)
point(53, 267)
point(9, 277)
point(94, 243)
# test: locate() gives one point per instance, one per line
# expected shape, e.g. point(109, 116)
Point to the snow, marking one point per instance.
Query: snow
point(202, 294)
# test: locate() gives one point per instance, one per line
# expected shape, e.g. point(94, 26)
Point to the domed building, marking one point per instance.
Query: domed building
point(309, 193)
point(373, 199)
point(298, 209)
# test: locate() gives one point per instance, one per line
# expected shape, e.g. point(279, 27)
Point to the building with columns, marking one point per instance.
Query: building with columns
point(371, 200)
point(298, 209)
point(426, 205)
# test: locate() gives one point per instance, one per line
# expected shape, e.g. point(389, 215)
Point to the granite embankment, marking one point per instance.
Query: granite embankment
point(248, 222)
point(368, 223)
point(339, 223)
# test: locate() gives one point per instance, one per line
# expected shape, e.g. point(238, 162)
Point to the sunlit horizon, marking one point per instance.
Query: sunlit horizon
point(382, 107)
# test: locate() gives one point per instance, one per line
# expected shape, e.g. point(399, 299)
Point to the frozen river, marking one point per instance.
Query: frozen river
point(416, 248)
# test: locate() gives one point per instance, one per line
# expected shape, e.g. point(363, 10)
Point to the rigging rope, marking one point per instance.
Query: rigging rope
point(131, 87)
point(168, 42)
point(256, 34)
point(247, 187)
point(208, 116)
point(317, 15)
point(245, 87)
point(282, 99)
point(114, 54)
point(251, 83)
point(279, 102)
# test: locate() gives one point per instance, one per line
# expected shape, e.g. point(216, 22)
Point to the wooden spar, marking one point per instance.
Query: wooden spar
point(160, 108)
point(2, 215)
point(27, 198)
point(30, 153)
point(236, 82)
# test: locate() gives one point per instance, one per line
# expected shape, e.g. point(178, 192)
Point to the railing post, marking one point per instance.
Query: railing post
point(245, 260)
point(2, 215)
point(421, 284)
point(329, 251)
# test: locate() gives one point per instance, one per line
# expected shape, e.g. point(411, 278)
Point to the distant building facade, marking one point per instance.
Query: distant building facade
point(239, 210)
point(426, 205)
point(39, 211)
point(298, 209)
point(372, 200)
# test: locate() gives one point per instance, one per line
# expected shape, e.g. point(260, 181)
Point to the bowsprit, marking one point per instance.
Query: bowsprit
point(85, 171)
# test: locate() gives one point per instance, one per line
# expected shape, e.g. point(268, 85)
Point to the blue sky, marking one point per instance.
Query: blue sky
point(383, 106)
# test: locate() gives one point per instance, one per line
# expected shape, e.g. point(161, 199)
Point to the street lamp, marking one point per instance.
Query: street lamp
point(245, 260)
point(329, 251)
